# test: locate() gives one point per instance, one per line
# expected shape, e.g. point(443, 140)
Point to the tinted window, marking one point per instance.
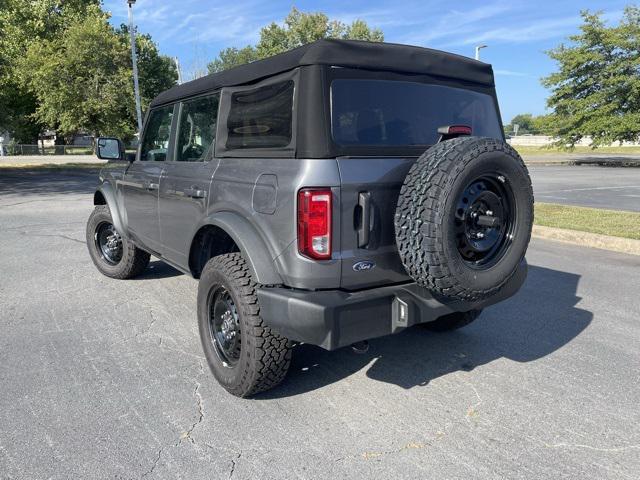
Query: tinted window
point(261, 118)
point(155, 143)
point(397, 113)
point(197, 130)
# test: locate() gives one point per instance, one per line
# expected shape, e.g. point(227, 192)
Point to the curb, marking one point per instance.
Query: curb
point(587, 239)
point(582, 160)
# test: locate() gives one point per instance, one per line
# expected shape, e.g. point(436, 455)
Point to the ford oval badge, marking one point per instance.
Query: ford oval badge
point(363, 265)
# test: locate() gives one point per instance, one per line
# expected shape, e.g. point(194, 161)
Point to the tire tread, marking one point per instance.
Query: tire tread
point(270, 353)
point(419, 216)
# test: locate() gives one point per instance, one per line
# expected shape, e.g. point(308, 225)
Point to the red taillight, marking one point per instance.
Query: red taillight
point(314, 223)
point(459, 130)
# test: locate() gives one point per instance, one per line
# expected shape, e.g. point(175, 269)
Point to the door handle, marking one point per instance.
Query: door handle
point(152, 186)
point(195, 193)
point(364, 202)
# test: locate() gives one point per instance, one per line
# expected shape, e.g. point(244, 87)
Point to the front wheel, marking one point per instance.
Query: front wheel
point(111, 253)
point(244, 354)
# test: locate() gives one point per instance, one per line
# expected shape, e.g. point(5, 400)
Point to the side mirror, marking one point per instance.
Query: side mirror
point(110, 149)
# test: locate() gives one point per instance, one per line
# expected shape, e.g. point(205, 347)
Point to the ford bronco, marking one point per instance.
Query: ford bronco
point(334, 193)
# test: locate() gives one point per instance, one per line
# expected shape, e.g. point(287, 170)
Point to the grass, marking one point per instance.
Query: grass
point(526, 150)
point(594, 220)
point(51, 166)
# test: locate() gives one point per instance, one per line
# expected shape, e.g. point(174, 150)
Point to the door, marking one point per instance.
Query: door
point(369, 194)
point(141, 182)
point(185, 184)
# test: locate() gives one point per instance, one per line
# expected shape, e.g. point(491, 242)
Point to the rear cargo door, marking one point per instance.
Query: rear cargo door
point(369, 193)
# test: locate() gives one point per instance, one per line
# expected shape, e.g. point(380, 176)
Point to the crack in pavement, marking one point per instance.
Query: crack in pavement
point(35, 225)
point(233, 463)
point(155, 463)
point(54, 235)
point(188, 433)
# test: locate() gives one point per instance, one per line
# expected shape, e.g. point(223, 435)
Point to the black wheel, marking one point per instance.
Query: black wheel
point(453, 321)
point(244, 355)
point(112, 254)
point(464, 217)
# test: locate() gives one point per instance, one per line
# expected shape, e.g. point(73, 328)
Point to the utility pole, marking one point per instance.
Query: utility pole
point(134, 60)
point(478, 48)
point(177, 62)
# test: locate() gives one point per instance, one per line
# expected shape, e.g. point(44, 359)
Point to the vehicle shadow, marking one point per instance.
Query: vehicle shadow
point(158, 269)
point(536, 322)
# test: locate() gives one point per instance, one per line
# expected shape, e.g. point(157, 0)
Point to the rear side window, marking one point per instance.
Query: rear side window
point(197, 129)
point(155, 142)
point(261, 117)
point(398, 113)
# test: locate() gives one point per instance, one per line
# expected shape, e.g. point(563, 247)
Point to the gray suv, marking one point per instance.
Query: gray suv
point(335, 193)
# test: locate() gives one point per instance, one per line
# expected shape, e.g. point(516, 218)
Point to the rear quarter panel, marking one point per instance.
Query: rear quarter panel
point(263, 191)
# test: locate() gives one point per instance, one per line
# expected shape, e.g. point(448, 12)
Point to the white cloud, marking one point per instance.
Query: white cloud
point(535, 30)
point(510, 73)
point(186, 21)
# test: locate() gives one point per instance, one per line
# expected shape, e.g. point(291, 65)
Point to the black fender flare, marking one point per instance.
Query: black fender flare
point(253, 248)
point(109, 195)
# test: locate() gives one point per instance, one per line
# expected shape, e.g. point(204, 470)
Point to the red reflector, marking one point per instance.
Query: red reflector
point(314, 223)
point(459, 130)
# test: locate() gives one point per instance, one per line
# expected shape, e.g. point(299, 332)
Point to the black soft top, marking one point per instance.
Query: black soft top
point(342, 53)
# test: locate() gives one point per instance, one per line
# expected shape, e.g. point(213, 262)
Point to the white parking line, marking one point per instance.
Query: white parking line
point(554, 197)
point(589, 188)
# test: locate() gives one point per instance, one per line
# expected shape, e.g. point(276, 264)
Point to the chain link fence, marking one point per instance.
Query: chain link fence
point(13, 149)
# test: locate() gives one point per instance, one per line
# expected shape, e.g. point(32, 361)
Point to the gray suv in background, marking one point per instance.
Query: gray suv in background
point(331, 194)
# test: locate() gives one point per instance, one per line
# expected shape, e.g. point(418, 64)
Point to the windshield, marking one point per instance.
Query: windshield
point(399, 113)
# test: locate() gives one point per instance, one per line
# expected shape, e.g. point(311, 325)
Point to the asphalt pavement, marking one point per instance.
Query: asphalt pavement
point(588, 186)
point(101, 378)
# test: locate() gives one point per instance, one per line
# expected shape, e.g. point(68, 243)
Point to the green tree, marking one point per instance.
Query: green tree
point(232, 57)
point(596, 90)
point(528, 123)
point(524, 122)
point(157, 73)
point(81, 79)
point(21, 24)
point(299, 28)
point(542, 125)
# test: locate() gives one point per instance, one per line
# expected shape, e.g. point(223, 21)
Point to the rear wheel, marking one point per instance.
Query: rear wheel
point(111, 253)
point(244, 354)
point(453, 321)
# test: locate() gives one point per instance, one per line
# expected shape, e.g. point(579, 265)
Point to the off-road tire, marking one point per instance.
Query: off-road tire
point(265, 356)
point(453, 321)
point(134, 260)
point(426, 215)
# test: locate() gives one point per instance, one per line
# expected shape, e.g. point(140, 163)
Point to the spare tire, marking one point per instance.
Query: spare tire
point(464, 217)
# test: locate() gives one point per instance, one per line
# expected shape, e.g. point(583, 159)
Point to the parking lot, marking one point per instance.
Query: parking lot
point(588, 186)
point(102, 378)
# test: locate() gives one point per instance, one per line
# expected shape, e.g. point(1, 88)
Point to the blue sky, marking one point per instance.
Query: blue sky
point(517, 32)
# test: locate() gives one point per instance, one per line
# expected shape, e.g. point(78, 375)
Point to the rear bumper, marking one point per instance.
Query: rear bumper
point(334, 318)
